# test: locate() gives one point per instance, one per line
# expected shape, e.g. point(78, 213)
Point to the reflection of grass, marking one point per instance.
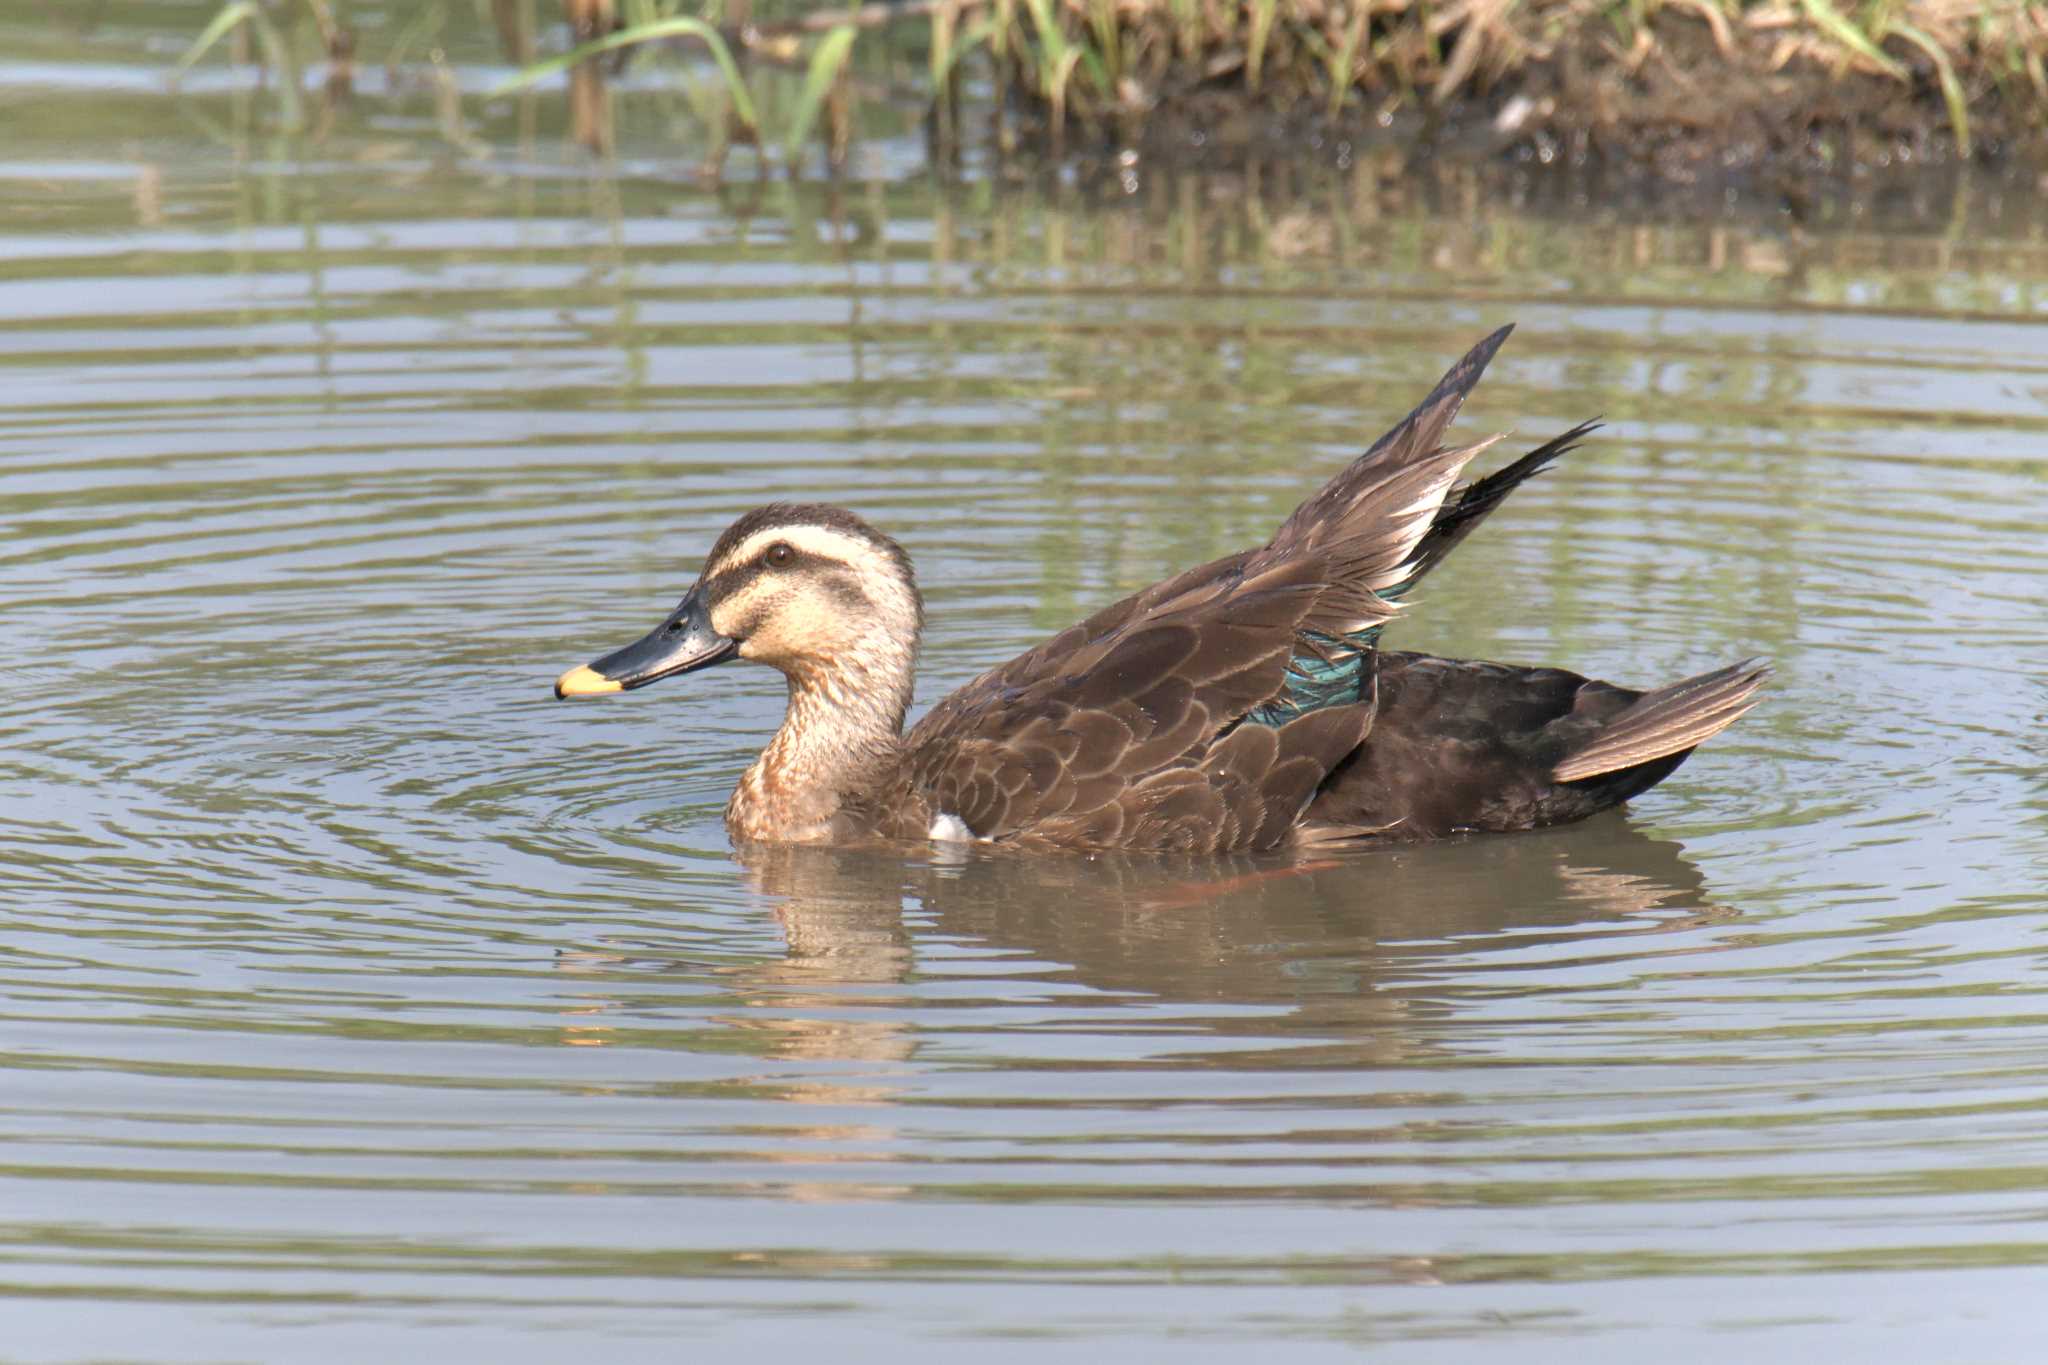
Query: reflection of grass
point(1104, 63)
point(742, 101)
point(278, 54)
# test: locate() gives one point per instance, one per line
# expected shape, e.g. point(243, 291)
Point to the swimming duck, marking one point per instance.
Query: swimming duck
point(1241, 706)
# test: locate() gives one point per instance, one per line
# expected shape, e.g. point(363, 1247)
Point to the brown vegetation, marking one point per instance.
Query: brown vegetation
point(1684, 88)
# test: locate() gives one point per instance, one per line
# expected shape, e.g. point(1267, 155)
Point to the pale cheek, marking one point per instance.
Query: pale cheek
point(751, 614)
point(772, 640)
point(763, 640)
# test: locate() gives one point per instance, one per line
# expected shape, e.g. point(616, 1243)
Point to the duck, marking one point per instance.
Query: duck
point(1241, 706)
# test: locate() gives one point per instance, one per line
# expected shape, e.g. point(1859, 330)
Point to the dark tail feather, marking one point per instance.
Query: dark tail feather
point(1668, 720)
point(1466, 507)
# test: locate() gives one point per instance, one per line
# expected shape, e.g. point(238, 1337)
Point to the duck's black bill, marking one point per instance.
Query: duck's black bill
point(684, 643)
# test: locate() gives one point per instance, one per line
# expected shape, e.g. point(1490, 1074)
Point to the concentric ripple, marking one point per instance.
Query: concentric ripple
point(351, 985)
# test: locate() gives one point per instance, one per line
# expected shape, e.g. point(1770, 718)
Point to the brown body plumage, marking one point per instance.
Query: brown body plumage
point(1239, 706)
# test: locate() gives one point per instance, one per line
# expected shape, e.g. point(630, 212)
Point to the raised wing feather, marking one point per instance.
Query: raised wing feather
point(1130, 729)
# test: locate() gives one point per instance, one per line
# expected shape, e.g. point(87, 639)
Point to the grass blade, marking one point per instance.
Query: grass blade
point(1848, 35)
point(826, 64)
point(1056, 91)
point(1345, 61)
point(1102, 17)
point(1951, 88)
point(1262, 29)
point(218, 28)
point(1187, 27)
point(1050, 36)
point(1058, 55)
point(276, 56)
point(284, 64)
point(945, 26)
point(742, 101)
point(976, 34)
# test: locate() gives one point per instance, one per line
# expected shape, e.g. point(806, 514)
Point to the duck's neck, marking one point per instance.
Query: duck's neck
point(840, 741)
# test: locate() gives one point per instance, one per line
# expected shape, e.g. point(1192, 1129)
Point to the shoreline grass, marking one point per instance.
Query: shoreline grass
point(1669, 83)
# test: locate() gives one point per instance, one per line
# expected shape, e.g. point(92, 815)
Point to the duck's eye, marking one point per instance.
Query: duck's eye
point(779, 554)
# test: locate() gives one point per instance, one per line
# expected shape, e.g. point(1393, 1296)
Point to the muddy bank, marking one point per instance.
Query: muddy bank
point(1711, 94)
point(1695, 95)
point(1678, 91)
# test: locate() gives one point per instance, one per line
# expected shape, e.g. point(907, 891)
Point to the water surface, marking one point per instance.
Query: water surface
point(357, 996)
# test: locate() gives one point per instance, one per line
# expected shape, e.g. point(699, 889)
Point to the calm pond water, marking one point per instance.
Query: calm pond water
point(359, 997)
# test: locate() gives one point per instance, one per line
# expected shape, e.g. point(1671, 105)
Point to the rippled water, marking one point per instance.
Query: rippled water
point(358, 996)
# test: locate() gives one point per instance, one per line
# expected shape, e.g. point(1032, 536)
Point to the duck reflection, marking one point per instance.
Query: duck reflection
point(1359, 952)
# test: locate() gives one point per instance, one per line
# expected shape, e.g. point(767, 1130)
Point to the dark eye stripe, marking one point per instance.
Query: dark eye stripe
point(720, 586)
point(725, 583)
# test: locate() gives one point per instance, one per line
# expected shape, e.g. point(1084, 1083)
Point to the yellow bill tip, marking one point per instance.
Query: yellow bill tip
point(585, 682)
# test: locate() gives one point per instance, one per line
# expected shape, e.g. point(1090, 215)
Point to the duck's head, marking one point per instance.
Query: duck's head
point(812, 590)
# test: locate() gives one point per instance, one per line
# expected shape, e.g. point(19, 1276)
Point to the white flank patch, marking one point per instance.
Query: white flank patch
point(950, 829)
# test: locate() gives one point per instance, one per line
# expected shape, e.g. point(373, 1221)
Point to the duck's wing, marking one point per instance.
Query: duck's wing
point(1130, 738)
point(1332, 662)
point(1366, 530)
point(1204, 711)
point(1408, 443)
point(1460, 744)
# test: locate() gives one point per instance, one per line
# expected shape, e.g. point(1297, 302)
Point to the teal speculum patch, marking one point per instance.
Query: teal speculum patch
point(1334, 673)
